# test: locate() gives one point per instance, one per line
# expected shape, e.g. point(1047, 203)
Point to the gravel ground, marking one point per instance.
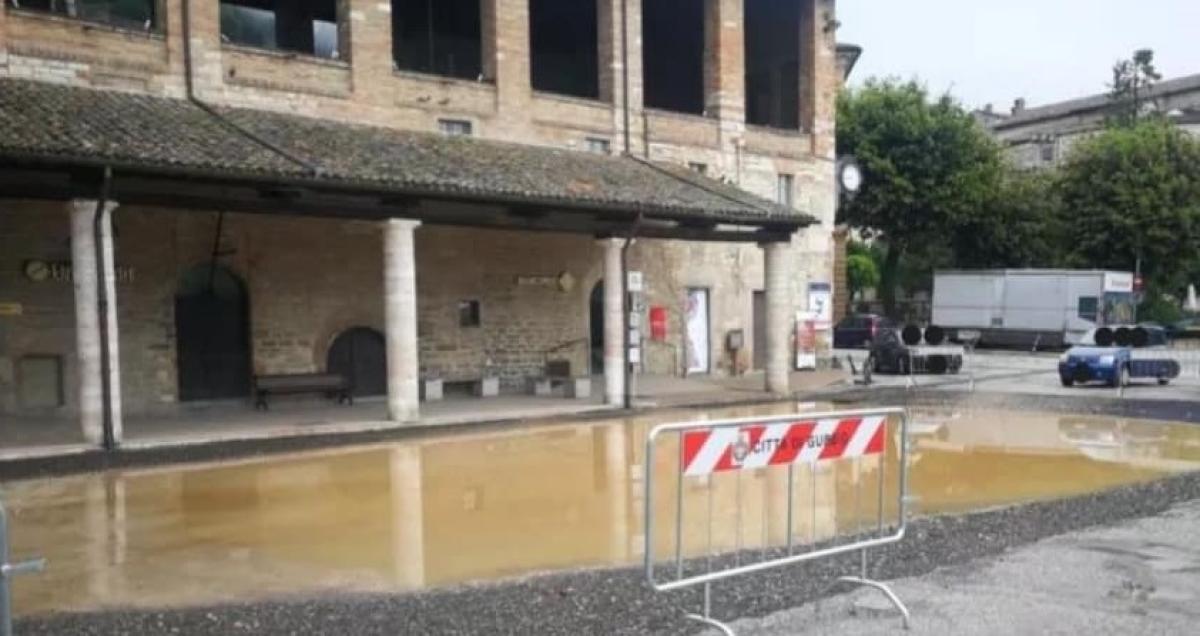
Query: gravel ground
point(1135, 578)
point(617, 601)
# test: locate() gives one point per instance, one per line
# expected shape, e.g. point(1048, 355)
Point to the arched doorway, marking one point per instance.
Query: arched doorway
point(359, 354)
point(212, 335)
point(597, 328)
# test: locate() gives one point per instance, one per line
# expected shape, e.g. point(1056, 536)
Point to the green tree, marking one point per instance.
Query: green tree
point(1021, 227)
point(928, 167)
point(1135, 193)
point(862, 272)
point(1132, 81)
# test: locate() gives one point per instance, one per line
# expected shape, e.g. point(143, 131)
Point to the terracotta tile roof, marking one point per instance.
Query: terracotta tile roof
point(42, 121)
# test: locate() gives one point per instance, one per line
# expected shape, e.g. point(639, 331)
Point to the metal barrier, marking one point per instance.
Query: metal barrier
point(9, 570)
point(817, 446)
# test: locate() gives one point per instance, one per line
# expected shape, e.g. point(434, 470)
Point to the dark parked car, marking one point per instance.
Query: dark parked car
point(857, 331)
point(889, 354)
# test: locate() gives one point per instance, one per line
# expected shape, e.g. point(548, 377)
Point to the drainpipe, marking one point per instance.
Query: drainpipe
point(189, 83)
point(625, 91)
point(625, 363)
point(106, 410)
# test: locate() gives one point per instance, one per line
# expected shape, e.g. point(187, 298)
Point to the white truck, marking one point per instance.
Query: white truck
point(1031, 307)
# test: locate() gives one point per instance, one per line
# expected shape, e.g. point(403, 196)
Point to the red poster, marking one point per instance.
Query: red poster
point(658, 323)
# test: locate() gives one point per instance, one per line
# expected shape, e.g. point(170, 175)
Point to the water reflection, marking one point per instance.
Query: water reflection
point(460, 508)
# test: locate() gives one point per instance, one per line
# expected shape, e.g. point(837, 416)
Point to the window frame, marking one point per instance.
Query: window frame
point(341, 49)
point(156, 28)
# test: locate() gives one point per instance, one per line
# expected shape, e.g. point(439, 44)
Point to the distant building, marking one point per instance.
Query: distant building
point(1042, 136)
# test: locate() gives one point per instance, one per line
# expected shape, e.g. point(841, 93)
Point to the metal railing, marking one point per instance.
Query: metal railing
point(826, 449)
point(9, 570)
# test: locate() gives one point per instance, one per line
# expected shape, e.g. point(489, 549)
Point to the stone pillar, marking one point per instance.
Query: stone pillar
point(506, 51)
point(615, 355)
point(367, 45)
point(87, 320)
point(400, 315)
point(820, 78)
point(613, 63)
point(778, 270)
point(725, 60)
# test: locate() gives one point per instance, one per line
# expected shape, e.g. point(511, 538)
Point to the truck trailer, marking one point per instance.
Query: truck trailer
point(1030, 308)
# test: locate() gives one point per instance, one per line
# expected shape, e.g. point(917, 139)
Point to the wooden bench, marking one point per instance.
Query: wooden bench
point(558, 372)
point(332, 385)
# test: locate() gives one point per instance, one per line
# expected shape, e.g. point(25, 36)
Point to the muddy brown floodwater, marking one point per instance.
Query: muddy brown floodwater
point(438, 511)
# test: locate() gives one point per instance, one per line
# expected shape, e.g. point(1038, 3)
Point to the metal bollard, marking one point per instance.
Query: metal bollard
point(9, 570)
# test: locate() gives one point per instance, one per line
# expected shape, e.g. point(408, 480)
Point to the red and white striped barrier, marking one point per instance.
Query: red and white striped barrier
point(781, 443)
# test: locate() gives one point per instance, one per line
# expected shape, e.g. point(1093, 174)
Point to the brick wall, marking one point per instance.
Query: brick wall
point(300, 296)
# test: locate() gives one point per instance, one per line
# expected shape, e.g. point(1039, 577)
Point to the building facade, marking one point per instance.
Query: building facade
point(196, 193)
point(1043, 136)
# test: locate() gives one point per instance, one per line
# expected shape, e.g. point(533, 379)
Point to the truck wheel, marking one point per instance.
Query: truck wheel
point(1067, 382)
point(1164, 381)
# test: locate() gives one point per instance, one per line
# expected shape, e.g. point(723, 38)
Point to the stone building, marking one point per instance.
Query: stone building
point(1041, 137)
point(197, 193)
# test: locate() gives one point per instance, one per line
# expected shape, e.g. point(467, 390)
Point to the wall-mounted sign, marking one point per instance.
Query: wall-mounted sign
point(635, 282)
point(564, 281)
point(11, 309)
point(40, 271)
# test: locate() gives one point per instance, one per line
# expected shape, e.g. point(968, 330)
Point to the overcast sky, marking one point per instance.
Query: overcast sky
point(996, 50)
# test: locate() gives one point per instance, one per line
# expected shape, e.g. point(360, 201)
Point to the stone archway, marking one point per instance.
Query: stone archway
point(212, 334)
point(360, 355)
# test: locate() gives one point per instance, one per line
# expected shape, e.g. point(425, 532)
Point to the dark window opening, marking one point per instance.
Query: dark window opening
point(696, 166)
point(785, 190)
point(468, 313)
point(441, 37)
point(563, 42)
point(300, 26)
point(130, 14)
point(673, 55)
point(773, 63)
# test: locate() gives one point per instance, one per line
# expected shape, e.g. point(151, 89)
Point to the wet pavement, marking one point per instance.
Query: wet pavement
point(457, 508)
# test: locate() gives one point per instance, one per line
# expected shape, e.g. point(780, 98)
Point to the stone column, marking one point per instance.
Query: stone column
point(777, 257)
point(87, 320)
point(400, 315)
point(725, 60)
point(506, 51)
point(615, 355)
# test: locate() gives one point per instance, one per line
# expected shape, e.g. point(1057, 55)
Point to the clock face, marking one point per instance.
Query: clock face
point(37, 271)
point(851, 177)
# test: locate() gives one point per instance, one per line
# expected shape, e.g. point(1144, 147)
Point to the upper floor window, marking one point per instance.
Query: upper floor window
point(598, 146)
point(673, 55)
point(563, 47)
point(455, 127)
point(299, 26)
point(441, 37)
point(772, 63)
point(131, 14)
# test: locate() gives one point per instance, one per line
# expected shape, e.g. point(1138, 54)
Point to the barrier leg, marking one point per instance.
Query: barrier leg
point(707, 618)
point(863, 581)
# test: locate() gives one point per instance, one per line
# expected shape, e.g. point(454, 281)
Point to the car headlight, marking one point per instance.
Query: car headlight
point(1107, 360)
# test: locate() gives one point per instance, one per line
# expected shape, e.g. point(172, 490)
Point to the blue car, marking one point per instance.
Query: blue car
point(1083, 364)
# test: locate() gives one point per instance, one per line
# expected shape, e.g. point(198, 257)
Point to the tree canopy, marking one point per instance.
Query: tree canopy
point(1133, 193)
point(929, 168)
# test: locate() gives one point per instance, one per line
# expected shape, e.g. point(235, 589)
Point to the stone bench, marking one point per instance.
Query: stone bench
point(333, 385)
point(558, 372)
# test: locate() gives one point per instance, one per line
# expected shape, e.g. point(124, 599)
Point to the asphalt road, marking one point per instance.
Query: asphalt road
point(1030, 373)
point(1139, 577)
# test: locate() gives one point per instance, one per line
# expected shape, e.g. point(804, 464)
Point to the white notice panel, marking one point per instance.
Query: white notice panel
point(697, 331)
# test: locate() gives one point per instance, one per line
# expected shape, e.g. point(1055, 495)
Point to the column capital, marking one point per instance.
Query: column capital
point(89, 205)
point(404, 224)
